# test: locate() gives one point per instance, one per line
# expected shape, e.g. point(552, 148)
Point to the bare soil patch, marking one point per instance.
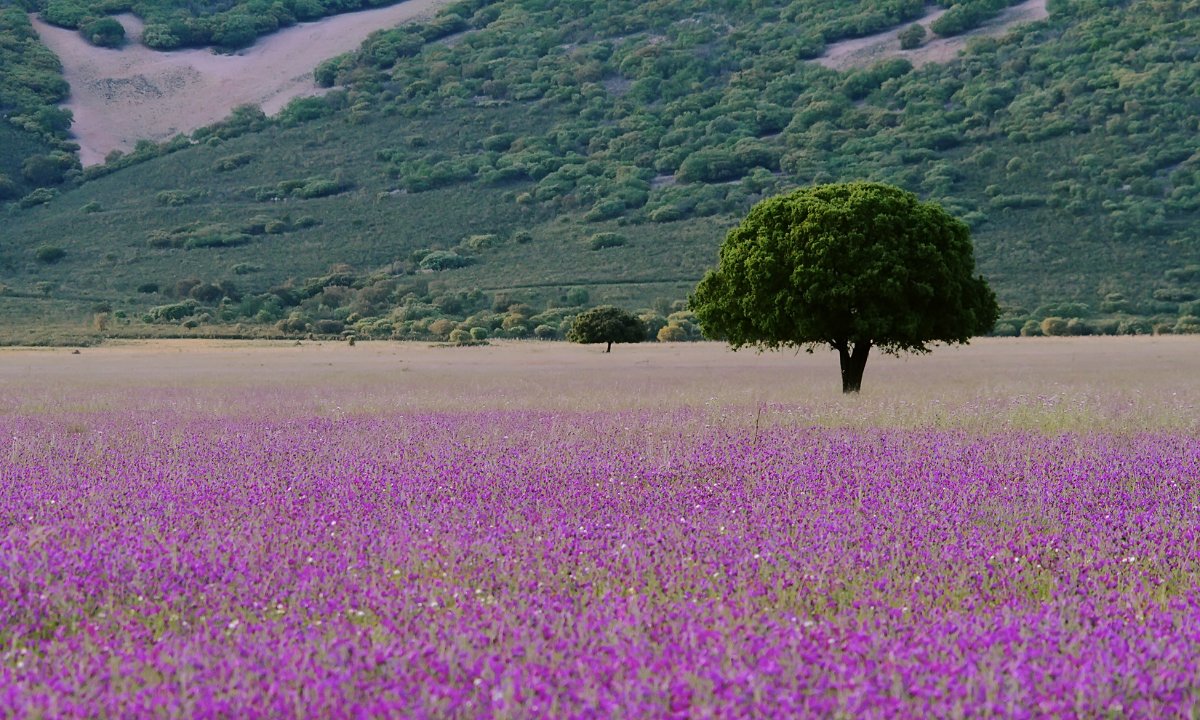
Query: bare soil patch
point(865, 51)
point(134, 93)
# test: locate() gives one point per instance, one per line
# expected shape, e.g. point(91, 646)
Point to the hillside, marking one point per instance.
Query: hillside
point(514, 156)
point(121, 96)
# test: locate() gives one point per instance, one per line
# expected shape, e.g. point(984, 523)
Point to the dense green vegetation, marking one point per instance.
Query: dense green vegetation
point(853, 266)
point(34, 146)
point(524, 149)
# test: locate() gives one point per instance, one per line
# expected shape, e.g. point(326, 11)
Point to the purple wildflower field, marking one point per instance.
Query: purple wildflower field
point(646, 562)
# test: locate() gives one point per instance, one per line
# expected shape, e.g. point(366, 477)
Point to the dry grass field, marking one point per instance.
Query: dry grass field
point(1109, 383)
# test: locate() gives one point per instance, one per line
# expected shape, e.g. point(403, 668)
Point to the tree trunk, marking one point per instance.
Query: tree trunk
point(609, 348)
point(854, 360)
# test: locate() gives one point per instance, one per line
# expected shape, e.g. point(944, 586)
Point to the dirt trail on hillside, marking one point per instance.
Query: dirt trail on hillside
point(861, 52)
point(121, 96)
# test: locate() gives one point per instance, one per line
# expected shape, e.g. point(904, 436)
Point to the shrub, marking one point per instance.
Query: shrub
point(601, 241)
point(666, 213)
point(1187, 324)
point(319, 187)
point(177, 198)
point(49, 254)
point(92, 207)
point(475, 243)
point(1055, 326)
point(605, 210)
point(912, 36)
point(328, 327)
point(479, 334)
point(104, 32)
point(41, 196)
point(232, 162)
point(672, 333)
point(172, 312)
point(444, 260)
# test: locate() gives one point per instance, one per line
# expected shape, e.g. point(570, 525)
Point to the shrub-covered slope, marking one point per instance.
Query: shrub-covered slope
point(534, 149)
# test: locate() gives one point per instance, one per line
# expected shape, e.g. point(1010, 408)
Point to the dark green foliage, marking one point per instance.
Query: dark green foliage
point(233, 162)
point(41, 196)
point(105, 32)
point(852, 266)
point(966, 15)
point(175, 198)
point(607, 324)
point(172, 312)
point(444, 260)
point(199, 235)
point(49, 254)
point(860, 83)
point(305, 189)
point(912, 36)
point(601, 241)
point(43, 170)
point(31, 87)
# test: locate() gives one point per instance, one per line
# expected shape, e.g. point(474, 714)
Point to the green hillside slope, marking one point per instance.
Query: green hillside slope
point(521, 155)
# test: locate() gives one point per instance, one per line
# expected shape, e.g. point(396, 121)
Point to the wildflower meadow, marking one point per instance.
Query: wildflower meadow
point(254, 549)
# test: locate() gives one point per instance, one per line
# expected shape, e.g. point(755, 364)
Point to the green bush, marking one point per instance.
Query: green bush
point(912, 36)
point(49, 254)
point(104, 32)
point(444, 260)
point(41, 196)
point(177, 198)
point(233, 162)
point(173, 311)
point(604, 240)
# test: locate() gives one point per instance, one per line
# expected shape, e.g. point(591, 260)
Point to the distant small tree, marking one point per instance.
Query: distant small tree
point(849, 265)
point(912, 36)
point(607, 324)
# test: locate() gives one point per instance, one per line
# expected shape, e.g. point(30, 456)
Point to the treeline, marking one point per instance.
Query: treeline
point(387, 304)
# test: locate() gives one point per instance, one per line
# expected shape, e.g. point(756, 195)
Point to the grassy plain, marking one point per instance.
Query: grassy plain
point(1051, 384)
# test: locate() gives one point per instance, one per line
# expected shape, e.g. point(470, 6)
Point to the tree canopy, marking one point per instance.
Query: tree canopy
point(607, 324)
point(849, 265)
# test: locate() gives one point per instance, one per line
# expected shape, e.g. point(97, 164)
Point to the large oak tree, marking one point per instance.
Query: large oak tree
point(852, 266)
